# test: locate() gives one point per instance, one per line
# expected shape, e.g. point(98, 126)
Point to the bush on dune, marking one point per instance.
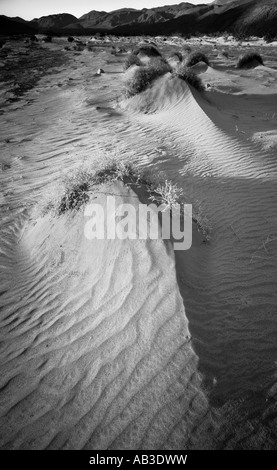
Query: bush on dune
point(132, 59)
point(80, 186)
point(246, 60)
point(148, 50)
point(186, 74)
point(196, 57)
point(144, 76)
point(177, 55)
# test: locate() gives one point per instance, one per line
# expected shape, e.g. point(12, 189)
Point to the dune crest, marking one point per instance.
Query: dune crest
point(96, 351)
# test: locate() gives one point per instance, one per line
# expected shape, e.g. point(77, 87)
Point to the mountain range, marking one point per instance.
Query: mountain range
point(256, 17)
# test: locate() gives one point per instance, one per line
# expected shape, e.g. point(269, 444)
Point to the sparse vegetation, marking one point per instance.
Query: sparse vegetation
point(246, 60)
point(132, 59)
point(158, 189)
point(144, 76)
point(79, 187)
point(186, 74)
point(196, 57)
point(147, 49)
point(177, 55)
point(166, 194)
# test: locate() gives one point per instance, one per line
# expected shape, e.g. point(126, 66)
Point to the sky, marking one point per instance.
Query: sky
point(29, 9)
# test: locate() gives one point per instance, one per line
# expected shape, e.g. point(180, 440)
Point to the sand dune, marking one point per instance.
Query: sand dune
point(110, 344)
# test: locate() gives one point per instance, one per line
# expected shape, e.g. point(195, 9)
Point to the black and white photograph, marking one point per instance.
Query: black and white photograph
point(138, 228)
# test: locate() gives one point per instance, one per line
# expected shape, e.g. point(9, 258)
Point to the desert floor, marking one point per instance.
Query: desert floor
point(110, 344)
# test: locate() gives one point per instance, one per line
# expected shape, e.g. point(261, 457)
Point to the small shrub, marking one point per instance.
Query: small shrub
point(196, 57)
point(148, 50)
point(144, 76)
point(225, 54)
point(79, 187)
point(76, 191)
point(70, 38)
point(166, 194)
point(186, 74)
point(132, 59)
point(177, 55)
point(245, 60)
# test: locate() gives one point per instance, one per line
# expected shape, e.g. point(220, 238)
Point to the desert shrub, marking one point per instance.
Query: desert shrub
point(245, 60)
point(70, 38)
point(196, 57)
point(144, 76)
point(75, 191)
point(148, 50)
point(79, 187)
point(132, 59)
point(177, 55)
point(225, 54)
point(186, 74)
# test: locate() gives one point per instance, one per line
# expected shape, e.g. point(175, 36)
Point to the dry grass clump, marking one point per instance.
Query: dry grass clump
point(79, 187)
point(144, 76)
point(147, 49)
point(186, 74)
point(177, 55)
point(246, 60)
point(132, 59)
point(196, 57)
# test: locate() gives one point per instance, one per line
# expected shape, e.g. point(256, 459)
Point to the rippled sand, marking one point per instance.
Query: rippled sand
point(126, 345)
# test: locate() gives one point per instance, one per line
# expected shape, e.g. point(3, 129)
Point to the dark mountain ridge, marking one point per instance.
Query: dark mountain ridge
point(255, 17)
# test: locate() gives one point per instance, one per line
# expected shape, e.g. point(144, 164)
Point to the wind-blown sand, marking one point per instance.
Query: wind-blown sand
point(124, 344)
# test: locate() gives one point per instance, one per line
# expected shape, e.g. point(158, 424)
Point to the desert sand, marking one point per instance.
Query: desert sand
point(109, 344)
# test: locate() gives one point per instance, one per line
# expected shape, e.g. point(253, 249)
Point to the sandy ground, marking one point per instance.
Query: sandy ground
point(128, 345)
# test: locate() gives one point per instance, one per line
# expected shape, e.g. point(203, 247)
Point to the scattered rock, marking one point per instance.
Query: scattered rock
point(99, 71)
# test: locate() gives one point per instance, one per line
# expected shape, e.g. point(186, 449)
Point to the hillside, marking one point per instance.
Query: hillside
point(11, 26)
point(58, 21)
point(246, 16)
